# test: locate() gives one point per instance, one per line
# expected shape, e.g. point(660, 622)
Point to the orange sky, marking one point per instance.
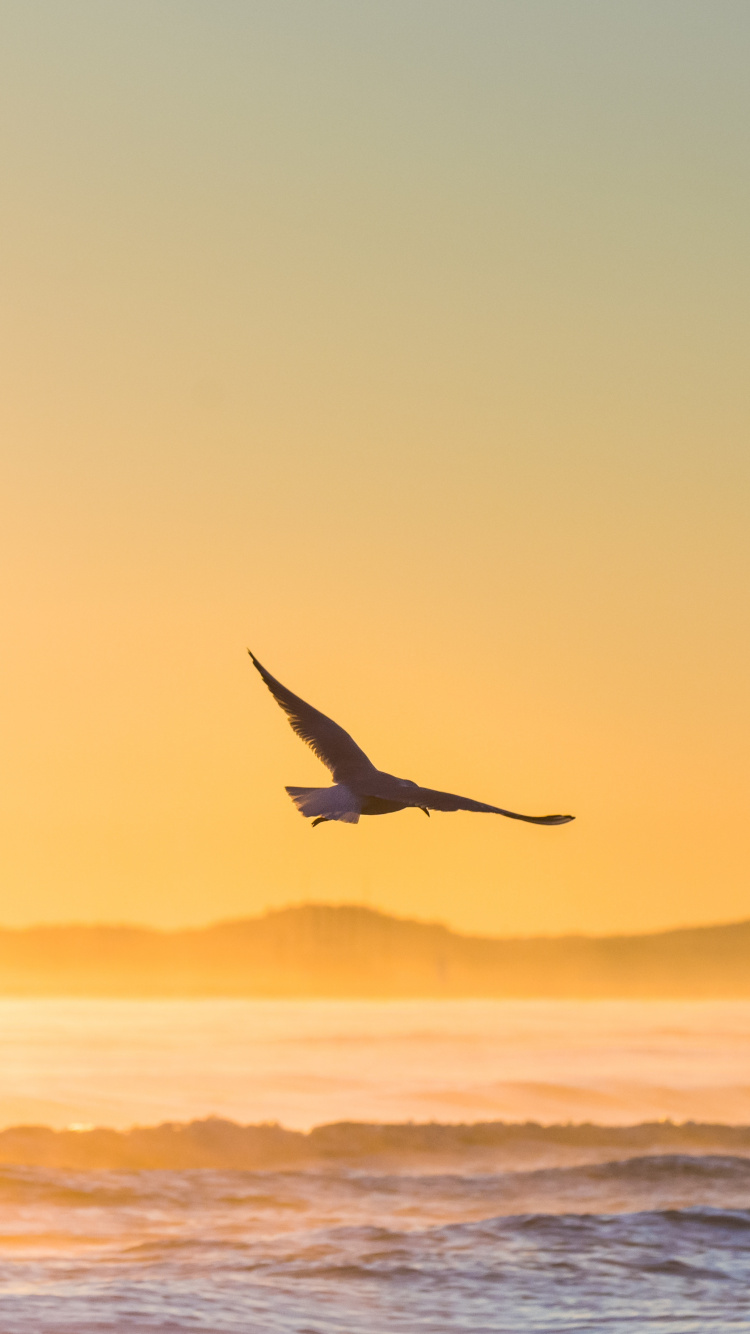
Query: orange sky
point(406, 343)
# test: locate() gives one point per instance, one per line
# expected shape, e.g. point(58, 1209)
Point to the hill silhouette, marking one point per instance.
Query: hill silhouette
point(317, 950)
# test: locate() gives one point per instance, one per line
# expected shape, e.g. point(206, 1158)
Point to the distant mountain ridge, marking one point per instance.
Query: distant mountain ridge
point(319, 950)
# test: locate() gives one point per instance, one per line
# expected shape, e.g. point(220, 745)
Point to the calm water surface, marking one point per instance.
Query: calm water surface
point(303, 1063)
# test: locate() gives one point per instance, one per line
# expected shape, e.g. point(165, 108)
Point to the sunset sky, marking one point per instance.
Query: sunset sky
point(406, 342)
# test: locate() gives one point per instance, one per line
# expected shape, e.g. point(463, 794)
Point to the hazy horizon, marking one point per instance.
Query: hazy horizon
point(395, 916)
point(337, 952)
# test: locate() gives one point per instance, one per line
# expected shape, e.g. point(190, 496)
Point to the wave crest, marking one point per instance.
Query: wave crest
point(220, 1144)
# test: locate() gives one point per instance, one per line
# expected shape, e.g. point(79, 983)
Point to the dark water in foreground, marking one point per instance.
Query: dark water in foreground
point(627, 1225)
point(656, 1242)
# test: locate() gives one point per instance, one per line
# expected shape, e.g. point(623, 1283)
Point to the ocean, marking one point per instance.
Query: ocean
point(366, 1167)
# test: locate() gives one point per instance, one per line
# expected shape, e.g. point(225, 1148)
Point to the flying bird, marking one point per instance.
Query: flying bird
point(358, 787)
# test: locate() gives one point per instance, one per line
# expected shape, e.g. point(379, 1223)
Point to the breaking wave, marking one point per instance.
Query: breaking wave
point(502, 1228)
point(221, 1144)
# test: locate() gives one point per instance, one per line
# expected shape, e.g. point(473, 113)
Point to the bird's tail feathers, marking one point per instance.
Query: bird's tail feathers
point(327, 803)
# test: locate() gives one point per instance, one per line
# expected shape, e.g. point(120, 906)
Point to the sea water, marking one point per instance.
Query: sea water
point(425, 1228)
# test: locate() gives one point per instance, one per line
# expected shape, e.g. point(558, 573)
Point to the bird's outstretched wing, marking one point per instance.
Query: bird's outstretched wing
point(330, 742)
point(448, 801)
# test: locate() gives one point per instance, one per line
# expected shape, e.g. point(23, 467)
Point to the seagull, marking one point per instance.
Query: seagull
point(358, 787)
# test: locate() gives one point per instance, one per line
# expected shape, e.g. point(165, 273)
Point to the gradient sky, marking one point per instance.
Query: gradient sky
point(405, 341)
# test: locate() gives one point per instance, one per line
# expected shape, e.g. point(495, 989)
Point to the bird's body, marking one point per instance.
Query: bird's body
point(358, 787)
